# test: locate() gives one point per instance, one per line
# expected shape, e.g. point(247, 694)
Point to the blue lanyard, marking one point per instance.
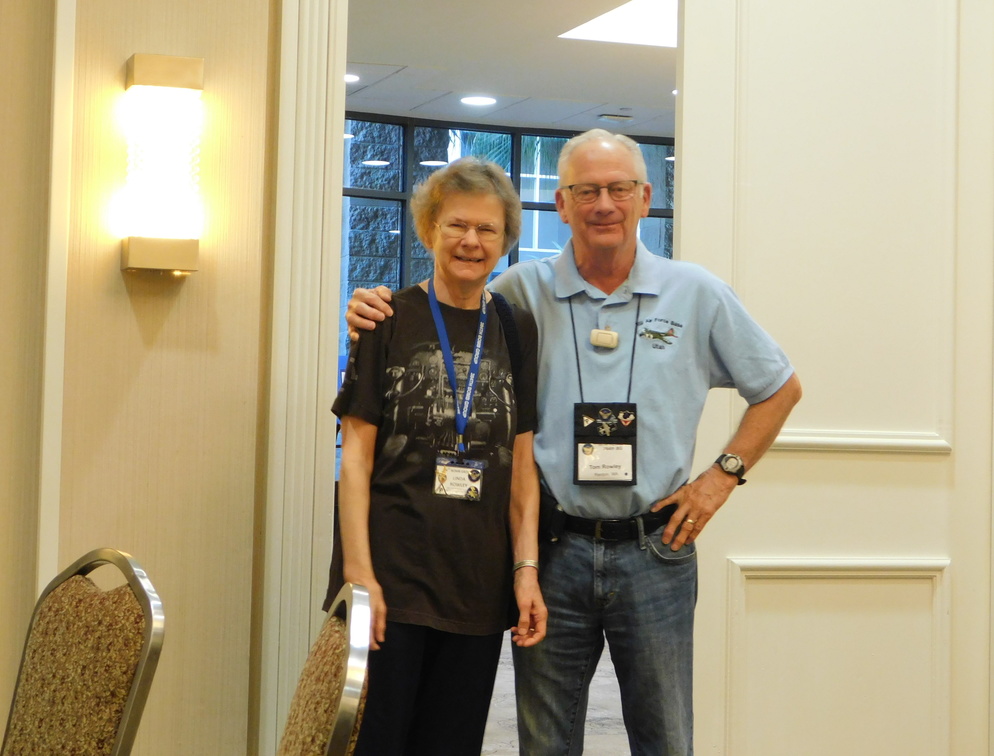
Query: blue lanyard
point(464, 407)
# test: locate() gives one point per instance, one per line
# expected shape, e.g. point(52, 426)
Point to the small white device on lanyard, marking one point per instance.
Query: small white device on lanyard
point(606, 338)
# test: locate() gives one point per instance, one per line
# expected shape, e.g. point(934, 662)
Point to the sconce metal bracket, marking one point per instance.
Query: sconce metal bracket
point(145, 253)
point(165, 71)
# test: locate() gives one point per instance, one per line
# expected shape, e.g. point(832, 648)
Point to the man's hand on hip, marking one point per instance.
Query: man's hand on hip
point(696, 503)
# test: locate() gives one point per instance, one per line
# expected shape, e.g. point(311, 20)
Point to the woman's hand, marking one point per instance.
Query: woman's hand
point(532, 612)
point(358, 443)
point(377, 609)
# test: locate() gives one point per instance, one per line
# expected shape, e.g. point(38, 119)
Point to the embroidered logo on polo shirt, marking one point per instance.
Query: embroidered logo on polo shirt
point(666, 338)
point(659, 332)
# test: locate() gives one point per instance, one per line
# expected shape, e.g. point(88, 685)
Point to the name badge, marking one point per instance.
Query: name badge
point(604, 437)
point(457, 478)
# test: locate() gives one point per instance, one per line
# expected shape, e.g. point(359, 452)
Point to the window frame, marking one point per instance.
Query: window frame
point(408, 125)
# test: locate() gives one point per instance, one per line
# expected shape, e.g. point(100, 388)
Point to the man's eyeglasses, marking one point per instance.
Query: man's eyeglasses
point(617, 190)
point(456, 230)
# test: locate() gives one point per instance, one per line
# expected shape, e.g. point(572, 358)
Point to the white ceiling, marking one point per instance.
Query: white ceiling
point(417, 58)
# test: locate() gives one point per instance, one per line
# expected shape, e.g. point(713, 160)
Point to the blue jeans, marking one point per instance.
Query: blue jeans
point(639, 595)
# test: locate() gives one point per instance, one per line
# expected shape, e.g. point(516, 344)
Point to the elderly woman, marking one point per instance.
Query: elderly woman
point(435, 520)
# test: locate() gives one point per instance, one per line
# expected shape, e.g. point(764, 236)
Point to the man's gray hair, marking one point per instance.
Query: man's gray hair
point(641, 172)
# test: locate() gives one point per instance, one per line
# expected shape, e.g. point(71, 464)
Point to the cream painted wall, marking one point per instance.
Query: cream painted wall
point(837, 167)
point(25, 47)
point(161, 433)
point(165, 378)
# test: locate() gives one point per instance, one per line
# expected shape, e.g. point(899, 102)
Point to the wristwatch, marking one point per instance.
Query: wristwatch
point(733, 465)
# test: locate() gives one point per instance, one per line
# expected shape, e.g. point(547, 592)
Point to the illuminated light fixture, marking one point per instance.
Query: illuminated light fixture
point(638, 22)
point(478, 100)
point(159, 213)
point(351, 78)
point(376, 163)
point(671, 158)
point(394, 231)
point(350, 136)
point(433, 163)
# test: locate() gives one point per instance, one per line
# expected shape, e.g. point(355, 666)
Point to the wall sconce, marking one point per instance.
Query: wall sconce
point(159, 213)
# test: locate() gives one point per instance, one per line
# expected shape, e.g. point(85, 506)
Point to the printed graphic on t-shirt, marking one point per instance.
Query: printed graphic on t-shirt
point(419, 398)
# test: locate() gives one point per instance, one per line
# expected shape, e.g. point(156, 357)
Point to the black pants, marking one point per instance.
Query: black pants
point(429, 693)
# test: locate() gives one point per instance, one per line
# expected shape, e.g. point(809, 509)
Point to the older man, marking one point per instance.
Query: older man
point(630, 344)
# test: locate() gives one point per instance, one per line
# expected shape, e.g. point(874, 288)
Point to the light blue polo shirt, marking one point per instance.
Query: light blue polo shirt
point(691, 334)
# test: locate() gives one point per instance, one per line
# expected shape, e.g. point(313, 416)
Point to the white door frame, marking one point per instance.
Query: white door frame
point(301, 440)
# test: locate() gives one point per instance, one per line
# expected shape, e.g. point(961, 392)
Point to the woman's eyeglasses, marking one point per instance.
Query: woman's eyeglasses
point(456, 230)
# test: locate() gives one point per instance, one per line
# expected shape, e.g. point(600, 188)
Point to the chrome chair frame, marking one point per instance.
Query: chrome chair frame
point(352, 606)
point(148, 658)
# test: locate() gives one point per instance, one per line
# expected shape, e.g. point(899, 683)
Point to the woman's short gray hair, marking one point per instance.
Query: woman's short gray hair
point(468, 175)
point(642, 173)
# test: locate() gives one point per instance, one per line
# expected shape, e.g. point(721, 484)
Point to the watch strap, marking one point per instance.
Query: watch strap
point(740, 473)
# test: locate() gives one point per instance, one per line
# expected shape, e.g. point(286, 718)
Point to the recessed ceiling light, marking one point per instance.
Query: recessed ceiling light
point(351, 78)
point(671, 157)
point(433, 163)
point(394, 231)
point(478, 100)
point(637, 22)
point(676, 92)
point(376, 162)
point(350, 136)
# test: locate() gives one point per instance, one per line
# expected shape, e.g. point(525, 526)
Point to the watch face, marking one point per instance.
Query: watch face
point(731, 464)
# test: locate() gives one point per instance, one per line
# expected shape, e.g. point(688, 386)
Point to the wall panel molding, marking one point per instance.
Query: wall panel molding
point(823, 439)
point(815, 242)
point(857, 612)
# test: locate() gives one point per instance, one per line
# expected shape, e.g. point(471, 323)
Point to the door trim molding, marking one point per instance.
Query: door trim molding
point(56, 294)
point(303, 377)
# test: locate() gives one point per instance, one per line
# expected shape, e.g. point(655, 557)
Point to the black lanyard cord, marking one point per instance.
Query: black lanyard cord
point(576, 348)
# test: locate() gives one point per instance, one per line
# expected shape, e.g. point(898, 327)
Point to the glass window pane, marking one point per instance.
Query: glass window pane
point(485, 144)
point(371, 255)
point(657, 235)
point(373, 156)
point(422, 262)
point(500, 268)
point(435, 147)
point(543, 235)
point(539, 167)
point(660, 167)
point(371, 251)
point(431, 152)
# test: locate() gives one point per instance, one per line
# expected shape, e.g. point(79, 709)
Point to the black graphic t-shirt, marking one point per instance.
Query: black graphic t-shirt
point(442, 562)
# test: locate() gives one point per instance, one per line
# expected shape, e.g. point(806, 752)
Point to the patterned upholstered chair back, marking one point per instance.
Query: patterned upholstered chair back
point(88, 663)
point(327, 706)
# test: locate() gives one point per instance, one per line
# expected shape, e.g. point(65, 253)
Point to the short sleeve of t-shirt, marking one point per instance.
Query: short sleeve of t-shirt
point(526, 384)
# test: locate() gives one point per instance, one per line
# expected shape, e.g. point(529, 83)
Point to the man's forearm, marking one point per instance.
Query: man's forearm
point(762, 422)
